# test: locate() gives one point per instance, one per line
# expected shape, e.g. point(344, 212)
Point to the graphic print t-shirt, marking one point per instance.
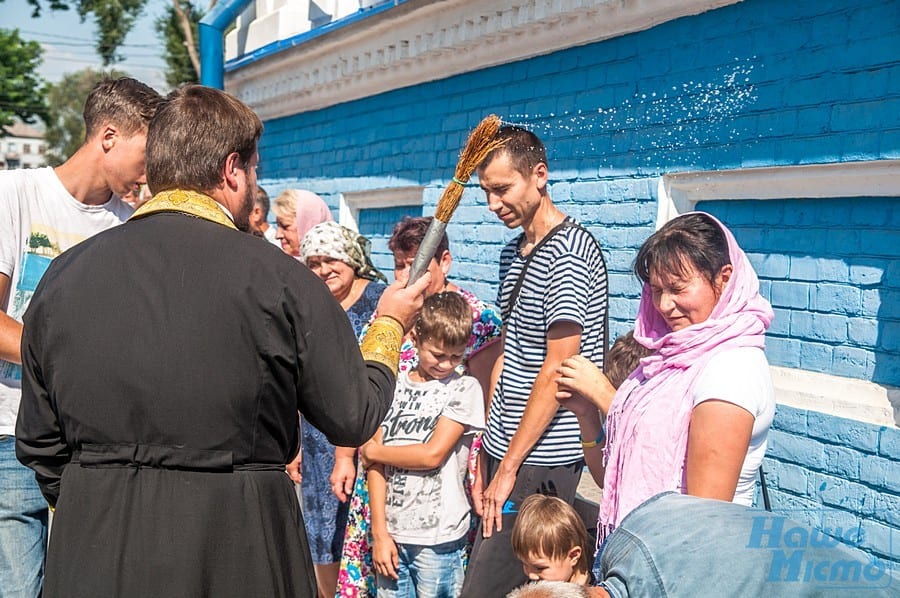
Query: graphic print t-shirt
point(39, 220)
point(427, 508)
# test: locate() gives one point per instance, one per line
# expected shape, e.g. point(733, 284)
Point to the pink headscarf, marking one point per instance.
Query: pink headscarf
point(648, 421)
point(310, 211)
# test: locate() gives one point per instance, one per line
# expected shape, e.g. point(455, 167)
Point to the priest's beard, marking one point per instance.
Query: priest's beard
point(242, 216)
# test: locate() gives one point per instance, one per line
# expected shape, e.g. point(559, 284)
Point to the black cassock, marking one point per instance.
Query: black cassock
point(164, 362)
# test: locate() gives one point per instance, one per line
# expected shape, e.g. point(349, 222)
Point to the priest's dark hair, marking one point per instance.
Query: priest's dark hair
point(192, 135)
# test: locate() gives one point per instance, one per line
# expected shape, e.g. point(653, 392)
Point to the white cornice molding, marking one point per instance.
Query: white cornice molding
point(679, 193)
point(421, 41)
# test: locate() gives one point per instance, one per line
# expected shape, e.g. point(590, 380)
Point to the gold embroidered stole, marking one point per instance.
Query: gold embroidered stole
point(192, 203)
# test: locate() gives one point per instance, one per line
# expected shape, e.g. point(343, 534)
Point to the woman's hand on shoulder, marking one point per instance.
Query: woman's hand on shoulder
point(581, 383)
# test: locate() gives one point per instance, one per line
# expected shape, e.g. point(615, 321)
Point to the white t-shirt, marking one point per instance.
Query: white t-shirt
point(427, 508)
point(741, 376)
point(39, 220)
point(269, 235)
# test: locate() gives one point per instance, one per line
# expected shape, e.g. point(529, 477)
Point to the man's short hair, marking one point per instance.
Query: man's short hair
point(623, 357)
point(524, 148)
point(409, 232)
point(261, 199)
point(127, 103)
point(446, 318)
point(192, 135)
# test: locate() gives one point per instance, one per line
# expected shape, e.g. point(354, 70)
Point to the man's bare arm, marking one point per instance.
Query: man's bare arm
point(563, 341)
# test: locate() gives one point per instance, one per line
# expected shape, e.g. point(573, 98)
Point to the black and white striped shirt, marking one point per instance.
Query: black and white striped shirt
point(565, 281)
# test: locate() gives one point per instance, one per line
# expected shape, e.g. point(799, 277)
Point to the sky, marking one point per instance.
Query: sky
point(69, 44)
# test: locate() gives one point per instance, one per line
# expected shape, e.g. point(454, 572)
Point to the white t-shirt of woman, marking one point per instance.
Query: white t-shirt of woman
point(741, 377)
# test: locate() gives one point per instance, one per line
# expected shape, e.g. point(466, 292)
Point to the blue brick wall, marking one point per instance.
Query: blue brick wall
point(837, 474)
point(769, 83)
point(831, 269)
point(760, 83)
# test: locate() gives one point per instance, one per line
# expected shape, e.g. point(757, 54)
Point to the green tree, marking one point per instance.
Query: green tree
point(65, 125)
point(113, 18)
point(180, 55)
point(21, 90)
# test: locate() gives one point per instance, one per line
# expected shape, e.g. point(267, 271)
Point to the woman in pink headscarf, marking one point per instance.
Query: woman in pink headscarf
point(694, 416)
point(297, 211)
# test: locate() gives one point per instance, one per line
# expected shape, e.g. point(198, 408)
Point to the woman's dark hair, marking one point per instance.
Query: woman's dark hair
point(691, 240)
point(408, 235)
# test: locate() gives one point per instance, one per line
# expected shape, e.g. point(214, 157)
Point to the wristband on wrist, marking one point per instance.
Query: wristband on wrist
point(593, 443)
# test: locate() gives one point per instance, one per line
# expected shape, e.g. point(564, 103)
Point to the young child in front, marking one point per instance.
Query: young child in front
point(417, 462)
point(551, 541)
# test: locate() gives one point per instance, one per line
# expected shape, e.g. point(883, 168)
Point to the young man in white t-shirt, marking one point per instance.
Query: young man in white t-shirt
point(44, 212)
point(418, 504)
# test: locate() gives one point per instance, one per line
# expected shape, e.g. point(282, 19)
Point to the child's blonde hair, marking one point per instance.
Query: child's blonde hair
point(549, 527)
point(446, 318)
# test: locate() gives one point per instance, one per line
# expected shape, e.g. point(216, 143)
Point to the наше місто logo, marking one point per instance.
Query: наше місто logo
point(826, 558)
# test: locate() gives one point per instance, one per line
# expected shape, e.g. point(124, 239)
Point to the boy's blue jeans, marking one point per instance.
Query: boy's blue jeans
point(426, 571)
point(23, 526)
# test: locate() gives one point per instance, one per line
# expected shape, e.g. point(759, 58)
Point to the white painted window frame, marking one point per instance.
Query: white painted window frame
point(680, 192)
point(351, 202)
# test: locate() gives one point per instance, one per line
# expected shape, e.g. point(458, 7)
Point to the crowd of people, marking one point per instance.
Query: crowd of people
point(168, 382)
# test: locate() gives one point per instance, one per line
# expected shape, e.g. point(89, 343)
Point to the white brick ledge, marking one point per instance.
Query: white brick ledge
point(421, 41)
point(842, 397)
point(679, 193)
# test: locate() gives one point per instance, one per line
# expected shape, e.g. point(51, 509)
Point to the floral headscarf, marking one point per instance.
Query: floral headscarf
point(330, 239)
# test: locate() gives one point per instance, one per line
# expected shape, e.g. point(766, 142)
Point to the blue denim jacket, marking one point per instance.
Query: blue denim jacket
point(678, 545)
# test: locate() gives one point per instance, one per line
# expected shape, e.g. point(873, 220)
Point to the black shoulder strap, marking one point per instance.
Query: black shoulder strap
point(514, 295)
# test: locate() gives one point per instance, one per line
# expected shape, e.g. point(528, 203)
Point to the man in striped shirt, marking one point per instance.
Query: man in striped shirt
point(553, 295)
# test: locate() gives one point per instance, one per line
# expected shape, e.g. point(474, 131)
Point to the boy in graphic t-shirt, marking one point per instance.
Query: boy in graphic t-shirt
point(419, 509)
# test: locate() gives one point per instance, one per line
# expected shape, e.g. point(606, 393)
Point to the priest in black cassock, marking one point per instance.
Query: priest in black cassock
point(164, 364)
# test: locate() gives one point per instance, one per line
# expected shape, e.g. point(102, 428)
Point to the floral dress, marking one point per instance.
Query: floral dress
point(357, 577)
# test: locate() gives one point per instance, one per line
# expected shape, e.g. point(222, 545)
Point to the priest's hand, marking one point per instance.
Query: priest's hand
point(293, 468)
point(403, 303)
